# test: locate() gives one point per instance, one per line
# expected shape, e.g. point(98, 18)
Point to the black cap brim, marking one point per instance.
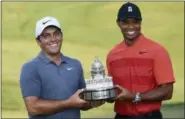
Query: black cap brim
point(122, 19)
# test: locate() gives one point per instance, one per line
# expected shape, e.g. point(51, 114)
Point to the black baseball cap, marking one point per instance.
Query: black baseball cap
point(129, 10)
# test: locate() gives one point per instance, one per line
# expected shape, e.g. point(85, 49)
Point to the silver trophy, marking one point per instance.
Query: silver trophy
point(100, 86)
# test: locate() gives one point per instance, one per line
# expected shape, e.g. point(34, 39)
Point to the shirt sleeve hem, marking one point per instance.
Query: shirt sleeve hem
point(166, 82)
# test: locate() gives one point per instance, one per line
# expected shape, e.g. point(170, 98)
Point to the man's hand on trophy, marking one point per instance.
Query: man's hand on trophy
point(94, 104)
point(125, 94)
point(76, 101)
point(110, 100)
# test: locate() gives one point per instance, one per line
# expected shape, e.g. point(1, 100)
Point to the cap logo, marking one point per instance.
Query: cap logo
point(46, 22)
point(129, 9)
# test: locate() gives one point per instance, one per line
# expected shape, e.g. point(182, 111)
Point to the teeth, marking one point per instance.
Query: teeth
point(53, 45)
point(131, 32)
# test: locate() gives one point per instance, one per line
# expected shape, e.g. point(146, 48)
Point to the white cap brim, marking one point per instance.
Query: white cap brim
point(45, 22)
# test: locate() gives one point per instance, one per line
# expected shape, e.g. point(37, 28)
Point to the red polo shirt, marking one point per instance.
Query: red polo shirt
point(139, 68)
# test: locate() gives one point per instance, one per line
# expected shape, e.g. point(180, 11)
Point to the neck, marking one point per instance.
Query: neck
point(129, 42)
point(56, 58)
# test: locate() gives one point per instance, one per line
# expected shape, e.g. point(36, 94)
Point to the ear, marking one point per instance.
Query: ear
point(38, 41)
point(140, 22)
point(118, 23)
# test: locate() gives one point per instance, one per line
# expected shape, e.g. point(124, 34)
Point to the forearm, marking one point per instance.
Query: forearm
point(48, 107)
point(163, 92)
point(158, 94)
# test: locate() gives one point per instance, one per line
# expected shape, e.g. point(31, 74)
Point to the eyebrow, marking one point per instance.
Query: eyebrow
point(57, 30)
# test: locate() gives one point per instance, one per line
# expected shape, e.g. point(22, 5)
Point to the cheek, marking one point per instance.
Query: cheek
point(58, 39)
point(123, 27)
point(43, 44)
point(61, 39)
point(138, 27)
point(124, 30)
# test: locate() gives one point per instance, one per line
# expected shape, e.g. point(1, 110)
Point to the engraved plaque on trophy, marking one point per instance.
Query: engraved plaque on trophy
point(100, 86)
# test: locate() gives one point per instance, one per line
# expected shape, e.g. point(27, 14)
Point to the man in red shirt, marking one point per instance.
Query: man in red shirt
point(141, 69)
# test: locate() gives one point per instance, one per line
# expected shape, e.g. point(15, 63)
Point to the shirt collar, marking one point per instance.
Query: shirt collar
point(44, 58)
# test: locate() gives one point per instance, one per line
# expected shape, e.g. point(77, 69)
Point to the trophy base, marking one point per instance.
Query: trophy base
point(107, 93)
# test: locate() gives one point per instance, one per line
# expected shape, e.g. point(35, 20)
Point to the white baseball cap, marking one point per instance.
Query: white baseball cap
point(45, 22)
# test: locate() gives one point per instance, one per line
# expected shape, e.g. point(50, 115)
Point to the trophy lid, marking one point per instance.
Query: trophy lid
point(97, 65)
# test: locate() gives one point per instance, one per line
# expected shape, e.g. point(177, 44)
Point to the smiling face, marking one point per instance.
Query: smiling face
point(50, 40)
point(130, 28)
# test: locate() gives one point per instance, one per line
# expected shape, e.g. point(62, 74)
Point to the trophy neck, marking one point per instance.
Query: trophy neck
point(97, 69)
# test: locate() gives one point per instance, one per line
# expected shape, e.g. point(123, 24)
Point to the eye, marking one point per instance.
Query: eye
point(57, 33)
point(46, 35)
point(136, 22)
point(125, 22)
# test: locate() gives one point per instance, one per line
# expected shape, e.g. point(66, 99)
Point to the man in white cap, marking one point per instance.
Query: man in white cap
point(51, 82)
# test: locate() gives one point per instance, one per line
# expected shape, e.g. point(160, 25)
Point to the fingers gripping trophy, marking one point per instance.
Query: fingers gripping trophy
point(100, 86)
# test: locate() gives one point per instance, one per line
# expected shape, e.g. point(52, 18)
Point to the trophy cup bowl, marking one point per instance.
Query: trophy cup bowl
point(100, 87)
point(108, 93)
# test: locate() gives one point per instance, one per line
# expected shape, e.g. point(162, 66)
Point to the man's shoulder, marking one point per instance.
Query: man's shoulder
point(155, 45)
point(115, 49)
point(30, 64)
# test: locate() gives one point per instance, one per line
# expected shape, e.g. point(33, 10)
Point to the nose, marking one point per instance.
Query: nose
point(130, 25)
point(52, 38)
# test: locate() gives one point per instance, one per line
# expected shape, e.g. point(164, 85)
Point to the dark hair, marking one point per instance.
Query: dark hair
point(38, 38)
point(53, 26)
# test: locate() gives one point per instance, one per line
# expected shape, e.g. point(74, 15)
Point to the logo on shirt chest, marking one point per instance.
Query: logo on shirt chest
point(70, 68)
point(141, 52)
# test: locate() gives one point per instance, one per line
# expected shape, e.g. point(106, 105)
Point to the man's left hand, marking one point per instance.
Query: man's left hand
point(125, 94)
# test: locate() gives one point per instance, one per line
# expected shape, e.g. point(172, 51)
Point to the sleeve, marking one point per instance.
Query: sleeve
point(108, 66)
point(29, 82)
point(82, 79)
point(109, 69)
point(163, 70)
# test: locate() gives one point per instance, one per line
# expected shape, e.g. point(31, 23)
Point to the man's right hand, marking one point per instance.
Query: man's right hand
point(110, 101)
point(76, 101)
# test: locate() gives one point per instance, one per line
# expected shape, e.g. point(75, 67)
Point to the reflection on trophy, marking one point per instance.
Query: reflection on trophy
point(100, 87)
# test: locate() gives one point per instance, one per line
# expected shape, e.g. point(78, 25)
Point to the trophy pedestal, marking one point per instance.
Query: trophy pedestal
point(107, 93)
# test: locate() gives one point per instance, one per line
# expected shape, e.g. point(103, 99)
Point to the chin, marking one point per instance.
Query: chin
point(132, 37)
point(54, 53)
